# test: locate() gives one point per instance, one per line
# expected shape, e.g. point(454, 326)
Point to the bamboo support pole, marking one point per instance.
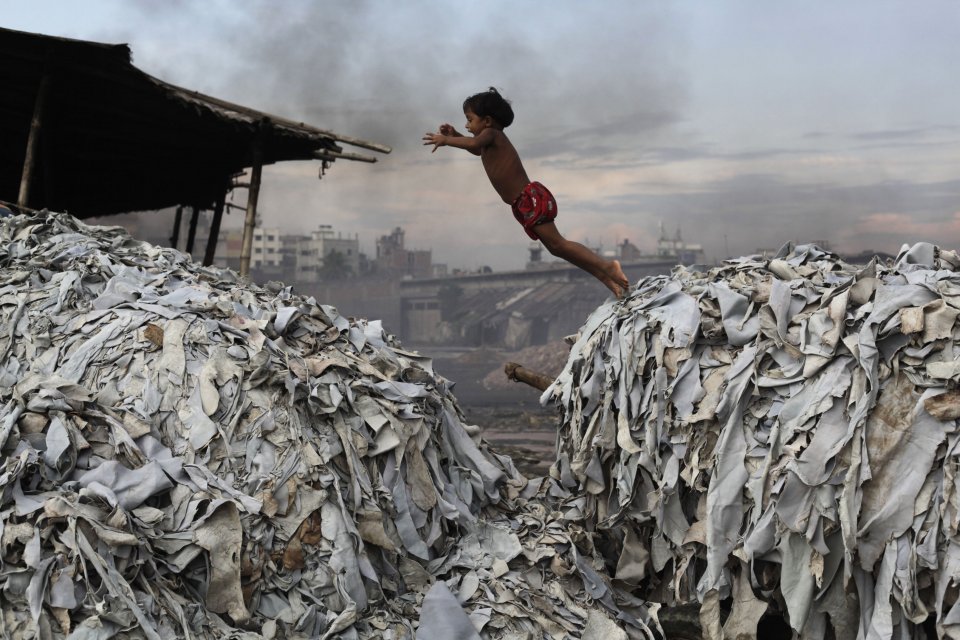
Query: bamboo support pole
point(192, 232)
point(214, 237)
point(177, 221)
point(256, 170)
point(33, 142)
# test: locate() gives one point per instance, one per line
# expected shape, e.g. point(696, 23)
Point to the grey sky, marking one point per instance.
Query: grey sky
point(745, 124)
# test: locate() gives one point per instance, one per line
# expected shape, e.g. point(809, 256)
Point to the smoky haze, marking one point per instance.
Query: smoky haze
point(742, 125)
point(388, 73)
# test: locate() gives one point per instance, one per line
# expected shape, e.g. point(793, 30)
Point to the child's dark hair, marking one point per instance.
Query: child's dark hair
point(490, 103)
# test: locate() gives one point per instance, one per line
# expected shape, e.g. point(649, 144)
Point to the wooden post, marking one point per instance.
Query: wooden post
point(256, 169)
point(33, 142)
point(192, 233)
point(214, 230)
point(175, 238)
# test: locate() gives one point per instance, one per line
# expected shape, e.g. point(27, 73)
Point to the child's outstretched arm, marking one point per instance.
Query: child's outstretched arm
point(474, 145)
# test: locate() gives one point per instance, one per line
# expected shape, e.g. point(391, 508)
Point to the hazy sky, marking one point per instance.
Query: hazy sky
point(745, 124)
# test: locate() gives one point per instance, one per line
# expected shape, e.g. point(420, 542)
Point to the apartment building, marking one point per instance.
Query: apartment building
point(326, 254)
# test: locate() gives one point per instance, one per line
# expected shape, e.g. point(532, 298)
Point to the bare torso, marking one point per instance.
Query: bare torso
point(503, 166)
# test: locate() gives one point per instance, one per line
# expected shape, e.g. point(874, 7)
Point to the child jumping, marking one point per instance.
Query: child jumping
point(534, 207)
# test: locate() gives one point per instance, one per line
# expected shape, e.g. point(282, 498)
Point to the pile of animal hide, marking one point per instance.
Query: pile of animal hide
point(187, 455)
point(777, 435)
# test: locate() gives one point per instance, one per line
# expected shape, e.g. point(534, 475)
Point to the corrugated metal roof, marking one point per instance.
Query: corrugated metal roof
point(545, 301)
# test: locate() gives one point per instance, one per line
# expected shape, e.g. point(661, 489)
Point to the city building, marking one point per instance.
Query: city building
point(394, 258)
point(266, 249)
point(325, 254)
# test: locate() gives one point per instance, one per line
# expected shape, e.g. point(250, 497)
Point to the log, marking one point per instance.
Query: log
point(518, 373)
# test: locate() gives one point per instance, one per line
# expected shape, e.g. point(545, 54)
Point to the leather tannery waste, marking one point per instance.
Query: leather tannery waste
point(185, 454)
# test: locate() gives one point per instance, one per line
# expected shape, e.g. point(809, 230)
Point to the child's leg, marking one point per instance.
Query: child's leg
point(606, 271)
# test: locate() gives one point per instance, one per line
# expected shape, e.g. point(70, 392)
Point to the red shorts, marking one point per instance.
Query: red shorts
point(535, 205)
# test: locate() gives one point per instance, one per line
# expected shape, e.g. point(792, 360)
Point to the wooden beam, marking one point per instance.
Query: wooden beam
point(177, 220)
point(256, 170)
point(33, 142)
point(211, 251)
point(326, 154)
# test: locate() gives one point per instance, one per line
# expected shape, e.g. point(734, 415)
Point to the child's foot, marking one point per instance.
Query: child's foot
point(615, 279)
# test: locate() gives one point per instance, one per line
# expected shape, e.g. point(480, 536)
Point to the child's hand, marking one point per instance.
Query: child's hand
point(447, 130)
point(436, 139)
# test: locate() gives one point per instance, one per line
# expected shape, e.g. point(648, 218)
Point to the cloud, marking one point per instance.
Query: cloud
point(912, 134)
point(893, 134)
point(891, 229)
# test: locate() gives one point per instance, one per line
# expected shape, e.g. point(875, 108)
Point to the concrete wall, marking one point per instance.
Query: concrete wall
point(374, 299)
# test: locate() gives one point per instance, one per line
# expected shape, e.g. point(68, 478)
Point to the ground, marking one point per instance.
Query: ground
point(509, 412)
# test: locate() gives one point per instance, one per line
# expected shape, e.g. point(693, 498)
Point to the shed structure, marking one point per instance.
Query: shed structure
point(86, 132)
